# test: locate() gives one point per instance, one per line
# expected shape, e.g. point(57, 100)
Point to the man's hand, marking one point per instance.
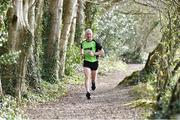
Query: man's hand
point(82, 55)
point(91, 53)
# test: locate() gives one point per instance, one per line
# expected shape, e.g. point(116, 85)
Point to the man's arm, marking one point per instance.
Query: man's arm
point(82, 53)
point(99, 53)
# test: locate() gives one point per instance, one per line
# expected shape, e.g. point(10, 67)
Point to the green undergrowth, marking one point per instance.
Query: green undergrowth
point(110, 64)
point(51, 92)
point(47, 92)
point(145, 98)
point(76, 79)
point(9, 109)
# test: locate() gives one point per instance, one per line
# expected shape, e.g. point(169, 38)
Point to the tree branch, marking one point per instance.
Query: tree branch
point(140, 3)
point(103, 2)
point(89, 1)
point(175, 1)
point(35, 2)
point(134, 13)
point(147, 5)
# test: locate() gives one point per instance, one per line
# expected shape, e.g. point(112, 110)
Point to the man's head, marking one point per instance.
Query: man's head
point(89, 34)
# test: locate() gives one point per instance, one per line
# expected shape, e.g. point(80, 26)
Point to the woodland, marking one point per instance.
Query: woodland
point(40, 42)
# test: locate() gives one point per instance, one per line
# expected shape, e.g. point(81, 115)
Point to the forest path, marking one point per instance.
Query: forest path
point(107, 101)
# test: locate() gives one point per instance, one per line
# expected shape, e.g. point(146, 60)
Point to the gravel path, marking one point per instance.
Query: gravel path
point(107, 101)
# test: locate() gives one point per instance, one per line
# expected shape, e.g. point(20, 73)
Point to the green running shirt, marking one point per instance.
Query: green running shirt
point(90, 45)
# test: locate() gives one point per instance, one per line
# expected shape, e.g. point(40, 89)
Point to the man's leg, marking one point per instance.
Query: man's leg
point(87, 73)
point(94, 77)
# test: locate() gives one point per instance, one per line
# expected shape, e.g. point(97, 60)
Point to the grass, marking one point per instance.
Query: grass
point(145, 97)
point(110, 64)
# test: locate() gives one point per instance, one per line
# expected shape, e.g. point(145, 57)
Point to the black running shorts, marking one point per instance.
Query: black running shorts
point(91, 65)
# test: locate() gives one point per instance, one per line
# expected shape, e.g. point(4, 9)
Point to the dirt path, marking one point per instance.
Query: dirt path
point(107, 101)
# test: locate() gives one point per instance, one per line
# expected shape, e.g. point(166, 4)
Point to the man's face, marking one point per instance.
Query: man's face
point(89, 35)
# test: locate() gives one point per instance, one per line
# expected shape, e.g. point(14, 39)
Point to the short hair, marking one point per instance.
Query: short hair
point(89, 30)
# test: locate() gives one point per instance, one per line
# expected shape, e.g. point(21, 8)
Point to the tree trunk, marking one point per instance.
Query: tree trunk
point(38, 39)
point(90, 14)
point(73, 27)
point(2, 52)
point(33, 73)
point(1, 91)
point(79, 22)
point(55, 15)
point(174, 106)
point(174, 100)
point(19, 39)
point(68, 15)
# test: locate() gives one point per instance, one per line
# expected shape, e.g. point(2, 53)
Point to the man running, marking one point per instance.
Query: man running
point(90, 51)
